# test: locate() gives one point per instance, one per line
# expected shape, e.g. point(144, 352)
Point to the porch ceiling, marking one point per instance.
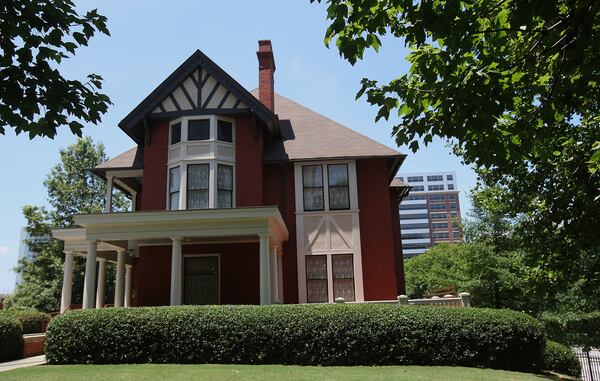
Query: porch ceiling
point(116, 229)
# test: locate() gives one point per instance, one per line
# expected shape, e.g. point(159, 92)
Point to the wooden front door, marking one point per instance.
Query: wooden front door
point(201, 280)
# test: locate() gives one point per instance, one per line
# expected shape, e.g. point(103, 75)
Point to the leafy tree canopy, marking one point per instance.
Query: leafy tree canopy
point(71, 190)
point(514, 87)
point(35, 36)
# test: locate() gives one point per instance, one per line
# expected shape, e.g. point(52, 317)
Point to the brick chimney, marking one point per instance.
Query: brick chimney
point(266, 71)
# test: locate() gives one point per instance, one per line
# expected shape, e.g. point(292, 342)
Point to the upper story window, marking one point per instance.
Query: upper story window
point(435, 187)
point(339, 193)
point(224, 131)
point(450, 186)
point(414, 179)
point(327, 186)
point(435, 178)
point(175, 133)
point(312, 184)
point(201, 163)
point(198, 129)
point(417, 188)
point(449, 177)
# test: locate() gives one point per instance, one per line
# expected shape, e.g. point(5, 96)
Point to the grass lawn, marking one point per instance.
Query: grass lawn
point(261, 372)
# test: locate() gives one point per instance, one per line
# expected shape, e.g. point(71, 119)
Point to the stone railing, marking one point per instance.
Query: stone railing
point(462, 300)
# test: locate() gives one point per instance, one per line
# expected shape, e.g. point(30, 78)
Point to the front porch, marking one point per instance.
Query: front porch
point(125, 238)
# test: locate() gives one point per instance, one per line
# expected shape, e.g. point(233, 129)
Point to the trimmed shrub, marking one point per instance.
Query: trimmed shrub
point(348, 334)
point(32, 320)
point(561, 359)
point(11, 339)
point(573, 329)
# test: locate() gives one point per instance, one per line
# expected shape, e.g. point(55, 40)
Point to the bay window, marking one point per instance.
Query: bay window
point(336, 186)
point(319, 280)
point(197, 186)
point(200, 163)
point(316, 279)
point(174, 184)
point(224, 186)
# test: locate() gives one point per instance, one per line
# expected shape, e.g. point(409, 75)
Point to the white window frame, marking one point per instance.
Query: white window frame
point(354, 211)
point(212, 159)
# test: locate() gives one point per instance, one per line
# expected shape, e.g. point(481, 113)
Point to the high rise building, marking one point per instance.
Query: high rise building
point(25, 251)
point(430, 214)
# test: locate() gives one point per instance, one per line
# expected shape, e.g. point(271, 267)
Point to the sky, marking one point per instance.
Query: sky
point(150, 39)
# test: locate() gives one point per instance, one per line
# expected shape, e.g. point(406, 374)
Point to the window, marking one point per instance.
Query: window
point(455, 234)
point(197, 186)
point(176, 133)
point(414, 179)
point(449, 177)
point(224, 131)
point(317, 290)
point(174, 188)
point(441, 235)
point(437, 197)
point(452, 205)
point(439, 225)
point(453, 214)
point(415, 236)
point(451, 197)
point(401, 178)
point(439, 216)
point(435, 178)
point(312, 182)
point(343, 277)
point(224, 186)
point(435, 187)
point(198, 129)
point(415, 197)
point(437, 206)
point(339, 194)
point(418, 188)
point(450, 186)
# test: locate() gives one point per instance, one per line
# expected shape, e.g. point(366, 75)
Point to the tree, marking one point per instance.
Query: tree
point(35, 36)
point(71, 189)
point(513, 86)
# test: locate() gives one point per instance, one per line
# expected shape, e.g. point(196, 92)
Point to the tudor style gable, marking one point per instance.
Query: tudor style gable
point(199, 92)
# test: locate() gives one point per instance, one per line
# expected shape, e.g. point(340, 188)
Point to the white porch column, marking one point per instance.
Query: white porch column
point(109, 191)
point(128, 271)
point(67, 286)
point(176, 271)
point(280, 277)
point(265, 283)
point(133, 201)
point(101, 282)
point(273, 273)
point(120, 277)
point(90, 275)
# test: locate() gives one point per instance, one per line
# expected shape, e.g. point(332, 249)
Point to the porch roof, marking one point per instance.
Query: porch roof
point(115, 231)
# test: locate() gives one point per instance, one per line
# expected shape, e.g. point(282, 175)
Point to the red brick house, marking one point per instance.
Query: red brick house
point(241, 198)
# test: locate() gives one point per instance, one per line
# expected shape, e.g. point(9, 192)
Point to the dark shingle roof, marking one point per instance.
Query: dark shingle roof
point(128, 159)
point(308, 135)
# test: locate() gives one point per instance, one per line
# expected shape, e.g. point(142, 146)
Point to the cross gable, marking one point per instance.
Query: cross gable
point(198, 86)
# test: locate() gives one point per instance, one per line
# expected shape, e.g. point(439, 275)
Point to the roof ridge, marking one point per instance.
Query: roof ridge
point(337, 123)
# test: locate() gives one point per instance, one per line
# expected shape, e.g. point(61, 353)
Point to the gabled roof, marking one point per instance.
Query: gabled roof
point(127, 160)
point(198, 70)
point(308, 135)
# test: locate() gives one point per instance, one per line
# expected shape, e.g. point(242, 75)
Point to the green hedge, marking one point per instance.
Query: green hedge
point(349, 334)
point(561, 359)
point(573, 329)
point(11, 339)
point(32, 320)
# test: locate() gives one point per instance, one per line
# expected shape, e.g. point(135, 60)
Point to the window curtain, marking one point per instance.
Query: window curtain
point(174, 188)
point(316, 279)
point(343, 276)
point(312, 180)
point(197, 183)
point(224, 186)
point(339, 196)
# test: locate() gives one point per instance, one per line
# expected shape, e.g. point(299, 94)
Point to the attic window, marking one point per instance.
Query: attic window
point(224, 131)
point(199, 129)
point(176, 133)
